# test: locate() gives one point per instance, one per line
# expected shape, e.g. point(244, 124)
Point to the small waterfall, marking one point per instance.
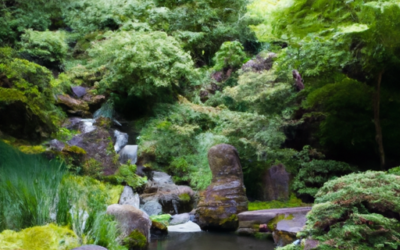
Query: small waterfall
point(121, 139)
point(87, 125)
point(129, 152)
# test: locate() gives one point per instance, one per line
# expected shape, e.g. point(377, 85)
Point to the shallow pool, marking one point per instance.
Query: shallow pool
point(209, 241)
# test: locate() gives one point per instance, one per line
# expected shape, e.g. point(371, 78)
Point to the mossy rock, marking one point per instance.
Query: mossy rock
point(163, 218)
point(135, 241)
point(49, 237)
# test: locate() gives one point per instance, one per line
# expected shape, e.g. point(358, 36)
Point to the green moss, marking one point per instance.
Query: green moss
point(49, 237)
point(32, 149)
point(232, 218)
point(163, 218)
point(74, 150)
point(135, 240)
point(292, 202)
point(184, 197)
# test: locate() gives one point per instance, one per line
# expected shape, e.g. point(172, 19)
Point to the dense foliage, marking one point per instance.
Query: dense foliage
point(182, 76)
point(357, 211)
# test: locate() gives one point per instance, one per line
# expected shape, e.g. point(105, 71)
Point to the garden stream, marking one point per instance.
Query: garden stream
point(209, 241)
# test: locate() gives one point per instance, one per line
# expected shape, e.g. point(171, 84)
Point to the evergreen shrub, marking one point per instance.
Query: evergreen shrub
point(356, 211)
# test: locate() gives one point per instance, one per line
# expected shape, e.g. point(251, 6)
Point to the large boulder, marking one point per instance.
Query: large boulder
point(129, 219)
point(276, 184)
point(174, 199)
point(220, 203)
point(100, 157)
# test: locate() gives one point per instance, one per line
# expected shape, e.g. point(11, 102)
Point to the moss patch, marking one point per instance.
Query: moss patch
point(135, 241)
point(292, 202)
point(184, 197)
point(163, 218)
point(49, 237)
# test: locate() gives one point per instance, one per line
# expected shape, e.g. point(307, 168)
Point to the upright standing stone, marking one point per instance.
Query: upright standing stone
point(226, 197)
point(276, 184)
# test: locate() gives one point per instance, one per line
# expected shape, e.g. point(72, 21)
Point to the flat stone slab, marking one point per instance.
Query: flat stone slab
point(286, 222)
point(188, 227)
point(264, 216)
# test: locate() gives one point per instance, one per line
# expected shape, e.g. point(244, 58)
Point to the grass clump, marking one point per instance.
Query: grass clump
point(36, 192)
point(356, 211)
point(260, 205)
point(28, 188)
point(49, 237)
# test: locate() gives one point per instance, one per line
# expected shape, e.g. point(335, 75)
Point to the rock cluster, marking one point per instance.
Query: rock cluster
point(161, 195)
point(225, 197)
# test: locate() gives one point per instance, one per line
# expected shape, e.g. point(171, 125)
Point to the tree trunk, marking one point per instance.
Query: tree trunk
point(378, 128)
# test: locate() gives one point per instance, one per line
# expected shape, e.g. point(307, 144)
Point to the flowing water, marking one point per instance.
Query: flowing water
point(209, 241)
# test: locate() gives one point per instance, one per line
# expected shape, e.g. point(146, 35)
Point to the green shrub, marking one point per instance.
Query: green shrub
point(230, 55)
point(180, 136)
point(356, 211)
point(44, 47)
point(313, 173)
point(140, 63)
point(126, 174)
point(28, 84)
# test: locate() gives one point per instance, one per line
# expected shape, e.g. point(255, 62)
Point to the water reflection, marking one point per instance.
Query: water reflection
point(208, 241)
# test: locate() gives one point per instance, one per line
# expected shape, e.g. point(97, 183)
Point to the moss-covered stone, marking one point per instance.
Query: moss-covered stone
point(163, 218)
point(135, 241)
point(49, 237)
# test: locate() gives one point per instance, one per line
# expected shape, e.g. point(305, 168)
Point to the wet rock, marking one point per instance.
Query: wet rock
point(261, 62)
point(158, 229)
point(100, 155)
point(152, 207)
point(276, 184)
point(130, 218)
point(128, 197)
point(74, 106)
point(121, 139)
point(284, 223)
point(129, 152)
point(179, 219)
point(90, 247)
point(173, 198)
point(225, 198)
point(78, 91)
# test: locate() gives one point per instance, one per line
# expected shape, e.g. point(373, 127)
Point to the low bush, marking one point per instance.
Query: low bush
point(356, 211)
point(47, 48)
